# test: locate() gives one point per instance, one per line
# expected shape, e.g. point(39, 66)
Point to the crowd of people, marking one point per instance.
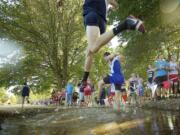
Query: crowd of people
point(162, 82)
point(70, 96)
point(163, 78)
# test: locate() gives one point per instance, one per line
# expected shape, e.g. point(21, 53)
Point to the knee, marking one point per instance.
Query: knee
point(89, 52)
point(101, 83)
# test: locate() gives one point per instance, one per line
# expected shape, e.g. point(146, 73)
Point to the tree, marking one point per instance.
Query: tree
point(3, 96)
point(52, 37)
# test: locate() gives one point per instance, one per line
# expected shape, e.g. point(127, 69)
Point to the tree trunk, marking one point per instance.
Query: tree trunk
point(60, 81)
point(169, 54)
point(178, 55)
point(65, 65)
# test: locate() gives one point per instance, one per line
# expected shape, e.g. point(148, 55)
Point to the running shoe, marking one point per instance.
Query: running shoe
point(135, 24)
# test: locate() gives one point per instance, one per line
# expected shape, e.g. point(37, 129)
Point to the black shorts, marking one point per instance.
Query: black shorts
point(25, 94)
point(160, 79)
point(118, 87)
point(107, 79)
point(132, 89)
point(150, 80)
point(93, 19)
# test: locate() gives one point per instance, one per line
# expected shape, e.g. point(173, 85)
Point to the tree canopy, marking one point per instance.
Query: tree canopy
point(52, 38)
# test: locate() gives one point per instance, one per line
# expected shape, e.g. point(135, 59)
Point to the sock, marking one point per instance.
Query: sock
point(85, 77)
point(121, 27)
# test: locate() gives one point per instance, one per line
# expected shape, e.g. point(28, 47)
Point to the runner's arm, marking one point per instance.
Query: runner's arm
point(113, 3)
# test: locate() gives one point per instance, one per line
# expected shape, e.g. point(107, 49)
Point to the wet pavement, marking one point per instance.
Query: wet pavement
point(95, 121)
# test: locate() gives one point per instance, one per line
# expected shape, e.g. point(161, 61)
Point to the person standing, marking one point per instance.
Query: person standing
point(81, 95)
point(69, 93)
point(150, 81)
point(132, 98)
point(161, 75)
point(88, 94)
point(173, 75)
point(150, 74)
point(140, 90)
point(25, 94)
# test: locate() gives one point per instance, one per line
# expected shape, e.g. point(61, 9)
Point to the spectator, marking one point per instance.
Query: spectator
point(69, 92)
point(132, 89)
point(173, 75)
point(150, 74)
point(150, 81)
point(140, 89)
point(25, 94)
point(62, 96)
point(81, 95)
point(88, 93)
point(161, 66)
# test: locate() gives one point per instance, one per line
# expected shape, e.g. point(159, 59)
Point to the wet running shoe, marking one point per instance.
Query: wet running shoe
point(133, 23)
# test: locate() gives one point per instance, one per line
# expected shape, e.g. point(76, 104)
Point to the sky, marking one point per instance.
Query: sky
point(9, 52)
point(7, 47)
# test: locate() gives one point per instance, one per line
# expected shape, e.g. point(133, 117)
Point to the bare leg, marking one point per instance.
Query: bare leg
point(124, 100)
point(95, 42)
point(90, 100)
point(175, 89)
point(129, 99)
point(85, 100)
point(100, 86)
point(23, 98)
point(106, 37)
point(118, 99)
point(27, 99)
point(101, 40)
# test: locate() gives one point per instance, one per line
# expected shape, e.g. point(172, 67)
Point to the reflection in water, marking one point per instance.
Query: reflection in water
point(96, 121)
point(155, 127)
point(0, 126)
point(170, 123)
point(109, 127)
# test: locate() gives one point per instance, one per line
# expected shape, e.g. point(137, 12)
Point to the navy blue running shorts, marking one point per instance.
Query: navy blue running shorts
point(118, 87)
point(93, 19)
